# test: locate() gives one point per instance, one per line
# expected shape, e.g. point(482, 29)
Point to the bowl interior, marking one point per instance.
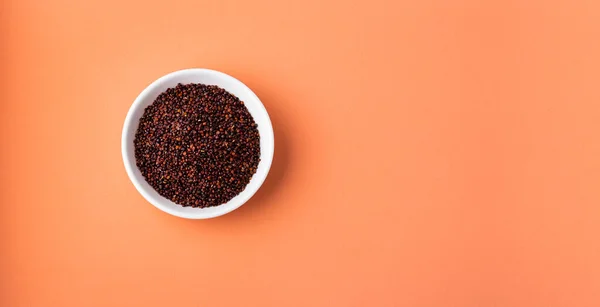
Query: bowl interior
point(211, 77)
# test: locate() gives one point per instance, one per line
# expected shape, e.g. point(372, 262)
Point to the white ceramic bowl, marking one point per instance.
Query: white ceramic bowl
point(205, 76)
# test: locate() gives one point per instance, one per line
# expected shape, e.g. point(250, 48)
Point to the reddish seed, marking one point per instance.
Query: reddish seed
point(195, 115)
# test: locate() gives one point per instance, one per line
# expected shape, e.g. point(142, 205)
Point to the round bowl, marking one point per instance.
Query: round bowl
point(210, 77)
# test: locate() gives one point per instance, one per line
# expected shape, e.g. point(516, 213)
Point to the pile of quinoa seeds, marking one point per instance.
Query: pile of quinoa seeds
point(197, 145)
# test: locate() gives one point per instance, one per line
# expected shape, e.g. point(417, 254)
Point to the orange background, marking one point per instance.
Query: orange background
point(428, 153)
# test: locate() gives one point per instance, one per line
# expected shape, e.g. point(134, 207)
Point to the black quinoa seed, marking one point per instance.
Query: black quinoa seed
point(197, 145)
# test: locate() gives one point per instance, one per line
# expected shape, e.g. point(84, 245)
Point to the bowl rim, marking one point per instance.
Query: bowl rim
point(130, 164)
